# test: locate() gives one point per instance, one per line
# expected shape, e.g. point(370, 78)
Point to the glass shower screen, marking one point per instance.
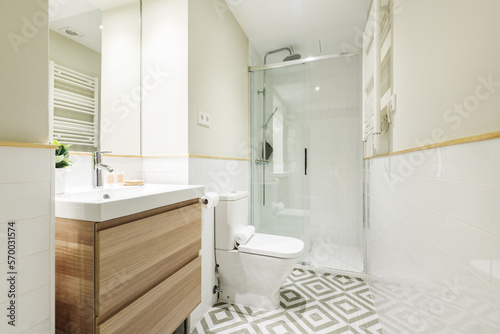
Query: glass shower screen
point(307, 158)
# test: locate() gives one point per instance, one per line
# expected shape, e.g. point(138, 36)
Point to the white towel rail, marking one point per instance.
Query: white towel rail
point(377, 43)
point(77, 125)
point(74, 105)
point(75, 130)
point(76, 143)
point(370, 77)
point(72, 121)
point(376, 75)
point(70, 106)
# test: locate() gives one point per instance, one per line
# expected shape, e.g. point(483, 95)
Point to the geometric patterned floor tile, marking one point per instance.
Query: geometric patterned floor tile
point(408, 307)
point(310, 303)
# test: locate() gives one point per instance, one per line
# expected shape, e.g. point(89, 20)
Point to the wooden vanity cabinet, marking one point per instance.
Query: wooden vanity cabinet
point(134, 274)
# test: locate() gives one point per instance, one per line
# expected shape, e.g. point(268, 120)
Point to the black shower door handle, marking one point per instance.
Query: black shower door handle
point(305, 161)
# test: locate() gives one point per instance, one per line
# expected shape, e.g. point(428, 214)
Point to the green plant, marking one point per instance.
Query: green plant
point(62, 155)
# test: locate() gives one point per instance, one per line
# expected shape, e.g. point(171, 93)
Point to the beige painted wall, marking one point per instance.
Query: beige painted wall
point(26, 182)
point(121, 80)
point(445, 53)
point(24, 72)
point(254, 57)
point(68, 53)
point(218, 82)
point(182, 73)
point(165, 68)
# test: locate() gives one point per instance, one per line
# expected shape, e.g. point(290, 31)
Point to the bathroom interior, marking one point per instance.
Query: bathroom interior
point(352, 144)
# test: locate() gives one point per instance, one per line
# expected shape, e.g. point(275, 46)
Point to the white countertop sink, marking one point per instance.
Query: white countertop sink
point(103, 204)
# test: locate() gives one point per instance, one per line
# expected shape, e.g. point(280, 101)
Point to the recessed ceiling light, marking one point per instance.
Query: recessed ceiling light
point(317, 88)
point(100, 27)
point(71, 32)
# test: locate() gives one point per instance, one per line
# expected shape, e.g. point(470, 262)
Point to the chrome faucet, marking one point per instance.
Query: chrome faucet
point(98, 167)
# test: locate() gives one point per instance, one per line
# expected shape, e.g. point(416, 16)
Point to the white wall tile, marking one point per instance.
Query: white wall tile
point(41, 328)
point(24, 165)
point(480, 207)
point(33, 234)
point(495, 261)
point(166, 177)
point(436, 220)
point(165, 164)
point(32, 310)
point(80, 174)
point(33, 271)
point(219, 175)
point(495, 177)
point(469, 245)
point(26, 196)
point(24, 200)
point(469, 162)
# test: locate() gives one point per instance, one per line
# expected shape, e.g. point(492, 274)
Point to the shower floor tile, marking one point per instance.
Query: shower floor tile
point(340, 257)
point(310, 303)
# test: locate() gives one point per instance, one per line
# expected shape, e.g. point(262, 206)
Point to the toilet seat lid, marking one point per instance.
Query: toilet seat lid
point(273, 245)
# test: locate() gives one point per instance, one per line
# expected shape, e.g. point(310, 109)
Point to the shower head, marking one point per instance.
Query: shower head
point(291, 55)
point(294, 56)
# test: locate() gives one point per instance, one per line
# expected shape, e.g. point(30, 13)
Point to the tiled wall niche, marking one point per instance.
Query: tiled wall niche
point(434, 238)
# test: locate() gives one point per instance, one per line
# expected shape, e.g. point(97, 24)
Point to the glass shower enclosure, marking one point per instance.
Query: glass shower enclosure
point(307, 157)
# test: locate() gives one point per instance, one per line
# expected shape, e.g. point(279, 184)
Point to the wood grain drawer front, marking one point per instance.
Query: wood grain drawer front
point(135, 257)
point(74, 275)
point(162, 309)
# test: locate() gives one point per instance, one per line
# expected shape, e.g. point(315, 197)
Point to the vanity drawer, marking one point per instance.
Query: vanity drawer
point(135, 257)
point(162, 309)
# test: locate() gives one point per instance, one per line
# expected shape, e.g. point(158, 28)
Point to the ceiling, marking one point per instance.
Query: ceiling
point(83, 16)
point(312, 27)
point(87, 24)
point(80, 16)
point(110, 4)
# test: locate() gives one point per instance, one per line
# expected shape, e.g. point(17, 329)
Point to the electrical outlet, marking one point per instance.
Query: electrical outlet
point(203, 119)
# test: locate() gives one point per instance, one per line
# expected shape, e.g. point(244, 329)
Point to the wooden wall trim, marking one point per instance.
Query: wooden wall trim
point(221, 158)
point(471, 139)
point(107, 155)
point(30, 145)
point(161, 156)
point(166, 156)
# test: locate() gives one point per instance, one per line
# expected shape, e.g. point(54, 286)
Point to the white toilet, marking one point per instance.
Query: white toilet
point(252, 274)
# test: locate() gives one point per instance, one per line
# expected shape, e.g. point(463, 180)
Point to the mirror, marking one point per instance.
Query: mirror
point(100, 39)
